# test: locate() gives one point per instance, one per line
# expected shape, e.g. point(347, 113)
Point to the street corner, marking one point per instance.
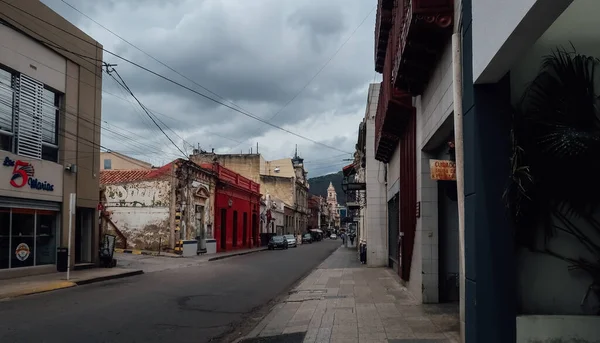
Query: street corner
point(20, 290)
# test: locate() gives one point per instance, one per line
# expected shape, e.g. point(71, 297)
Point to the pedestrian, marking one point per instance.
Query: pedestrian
point(351, 239)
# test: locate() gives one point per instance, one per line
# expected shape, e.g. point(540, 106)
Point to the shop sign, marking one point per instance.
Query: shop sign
point(444, 170)
point(22, 252)
point(23, 174)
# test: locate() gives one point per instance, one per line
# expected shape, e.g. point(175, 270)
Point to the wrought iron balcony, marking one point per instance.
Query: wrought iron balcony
point(354, 200)
point(423, 28)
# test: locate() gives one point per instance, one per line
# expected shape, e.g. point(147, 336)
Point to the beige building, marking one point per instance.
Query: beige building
point(284, 179)
point(50, 116)
point(112, 160)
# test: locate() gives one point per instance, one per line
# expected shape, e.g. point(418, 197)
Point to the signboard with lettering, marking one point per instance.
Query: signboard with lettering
point(24, 177)
point(443, 170)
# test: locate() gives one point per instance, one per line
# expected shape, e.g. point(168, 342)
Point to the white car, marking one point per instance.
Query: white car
point(333, 236)
point(291, 239)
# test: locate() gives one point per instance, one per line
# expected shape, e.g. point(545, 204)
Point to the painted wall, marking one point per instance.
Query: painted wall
point(141, 211)
point(247, 165)
point(241, 202)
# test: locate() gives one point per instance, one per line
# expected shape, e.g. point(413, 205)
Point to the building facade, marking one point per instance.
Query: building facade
point(112, 160)
point(50, 114)
point(284, 179)
point(237, 210)
point(152, 209)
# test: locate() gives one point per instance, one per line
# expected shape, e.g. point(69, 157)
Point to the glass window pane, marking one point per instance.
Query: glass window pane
point(4, 237)
point(49, 114)
point(6, 101)
point(45, 238)
point(49, 153)
point(22, 252)
point(107, 163)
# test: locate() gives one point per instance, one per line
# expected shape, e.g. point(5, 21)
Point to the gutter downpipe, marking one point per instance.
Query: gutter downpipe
point(460, 172)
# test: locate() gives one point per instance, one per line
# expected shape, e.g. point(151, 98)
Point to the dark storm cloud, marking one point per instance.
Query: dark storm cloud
point(256, 54)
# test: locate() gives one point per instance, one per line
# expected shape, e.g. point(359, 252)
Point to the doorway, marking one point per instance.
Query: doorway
point(223, 229)
point(245, 229)
point(83, 234)
point(393, 232)
point(235, 228)
point(448, 242)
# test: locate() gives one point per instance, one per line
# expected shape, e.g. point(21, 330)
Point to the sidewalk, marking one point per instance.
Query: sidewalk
point(11, 288)
point(344, 301)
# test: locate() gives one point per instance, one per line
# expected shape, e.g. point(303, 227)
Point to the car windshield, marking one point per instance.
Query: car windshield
point(277, 238)
point(307, 235)
point(289, 236)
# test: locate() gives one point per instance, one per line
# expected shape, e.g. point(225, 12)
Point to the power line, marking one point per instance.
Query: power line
point(146, 110)
point(175, 82)
point(152, 57)
point(322, 67)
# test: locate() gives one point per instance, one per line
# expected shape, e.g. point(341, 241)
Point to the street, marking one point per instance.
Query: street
point(195, 304)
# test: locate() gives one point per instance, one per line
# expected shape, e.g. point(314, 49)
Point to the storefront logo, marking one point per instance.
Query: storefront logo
point(22, 252)
point(23, 174)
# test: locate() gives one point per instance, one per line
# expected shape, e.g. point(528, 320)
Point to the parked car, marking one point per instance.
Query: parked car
point(291, 239)
point(333, 236)
point(307, 238)
point(278, 242)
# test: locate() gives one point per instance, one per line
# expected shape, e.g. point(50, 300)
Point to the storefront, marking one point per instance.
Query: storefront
point(30, 205)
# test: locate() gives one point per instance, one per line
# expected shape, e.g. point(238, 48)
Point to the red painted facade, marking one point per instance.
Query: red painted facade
point(237, 210)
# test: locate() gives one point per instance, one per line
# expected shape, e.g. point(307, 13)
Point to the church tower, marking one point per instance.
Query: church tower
point(331, 194)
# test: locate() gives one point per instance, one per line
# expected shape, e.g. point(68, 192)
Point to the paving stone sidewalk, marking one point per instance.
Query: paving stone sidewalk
point(344, 301)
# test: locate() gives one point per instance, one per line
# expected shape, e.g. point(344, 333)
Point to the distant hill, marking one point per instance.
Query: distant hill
point(319, 184)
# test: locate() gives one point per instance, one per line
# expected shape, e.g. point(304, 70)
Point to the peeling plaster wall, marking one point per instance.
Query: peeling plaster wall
point(141, 211)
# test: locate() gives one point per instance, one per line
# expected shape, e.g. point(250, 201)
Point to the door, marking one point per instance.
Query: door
point(393, 232)
point(448, 242)
point(223, 229)
point(235, 228)
point(245, 229)
point(83, 234)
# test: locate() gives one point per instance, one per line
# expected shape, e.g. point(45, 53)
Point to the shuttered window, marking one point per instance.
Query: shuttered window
point(28, 117)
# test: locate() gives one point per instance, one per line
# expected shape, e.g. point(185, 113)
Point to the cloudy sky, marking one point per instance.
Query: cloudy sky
point(259, 56)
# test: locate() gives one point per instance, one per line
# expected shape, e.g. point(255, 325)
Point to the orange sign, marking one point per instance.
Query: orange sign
point(442, 170)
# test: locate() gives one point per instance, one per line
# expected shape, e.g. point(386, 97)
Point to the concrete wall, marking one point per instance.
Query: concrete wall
point(141, 211)
point(80, 120)
point(282, 188)
point(122, 162)
point(434, 107)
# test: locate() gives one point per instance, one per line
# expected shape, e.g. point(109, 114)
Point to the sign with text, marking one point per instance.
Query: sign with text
point(24, 177)
point(443, 170)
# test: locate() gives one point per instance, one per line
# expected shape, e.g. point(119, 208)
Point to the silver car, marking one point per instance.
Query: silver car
point(291, 239)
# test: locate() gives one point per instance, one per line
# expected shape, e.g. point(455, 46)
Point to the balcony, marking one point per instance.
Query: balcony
point(423, 28)
point(383, 25)
point(394, 107)
point(354, 200)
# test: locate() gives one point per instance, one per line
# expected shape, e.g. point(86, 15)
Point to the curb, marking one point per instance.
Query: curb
point(216, 258)
point(56, 285)
point(109, 277)
point(53, 286)
point(137, 252)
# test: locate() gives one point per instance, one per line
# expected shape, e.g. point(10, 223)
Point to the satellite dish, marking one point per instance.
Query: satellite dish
point(276, 169)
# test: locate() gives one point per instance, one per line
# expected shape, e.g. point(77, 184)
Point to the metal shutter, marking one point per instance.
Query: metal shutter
point(6, 101)
point(29, 104)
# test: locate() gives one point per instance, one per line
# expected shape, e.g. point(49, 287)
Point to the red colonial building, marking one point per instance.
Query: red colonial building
point(237, 210)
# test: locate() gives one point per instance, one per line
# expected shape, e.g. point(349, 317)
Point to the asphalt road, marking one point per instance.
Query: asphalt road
point(210, 302)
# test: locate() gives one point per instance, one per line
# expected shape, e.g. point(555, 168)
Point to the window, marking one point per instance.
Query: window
point(28, 117)
point(107, 163)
